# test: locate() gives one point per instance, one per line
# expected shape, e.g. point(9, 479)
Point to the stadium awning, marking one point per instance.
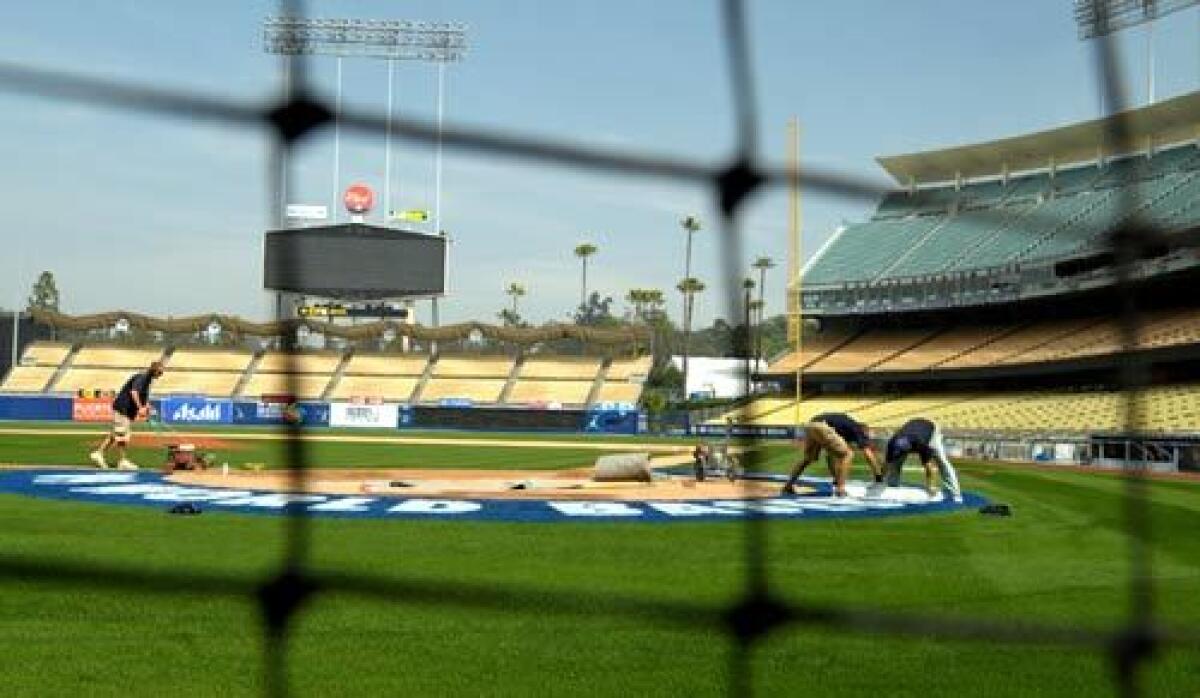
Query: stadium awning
point(1171, 121)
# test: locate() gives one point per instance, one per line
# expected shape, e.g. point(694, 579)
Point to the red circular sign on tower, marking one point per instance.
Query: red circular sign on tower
point(358, 198)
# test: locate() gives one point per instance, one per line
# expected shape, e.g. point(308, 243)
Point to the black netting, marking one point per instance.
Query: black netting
point(757, 612)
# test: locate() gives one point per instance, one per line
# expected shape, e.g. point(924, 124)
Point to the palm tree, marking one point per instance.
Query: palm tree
point(762, 264)
point(689, 287)
point(583, 251)
point(515, 290)
point(637, 298)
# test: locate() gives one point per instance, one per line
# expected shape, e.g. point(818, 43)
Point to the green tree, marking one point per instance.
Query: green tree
point(515, 291)
point(689, 287)
point(44, 295)
point(762, 264)
point(583, 251)
point(595, 311)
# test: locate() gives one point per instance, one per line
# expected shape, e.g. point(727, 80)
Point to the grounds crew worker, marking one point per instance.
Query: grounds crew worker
point(835, 433)
point(922, 437)
point(131, 404)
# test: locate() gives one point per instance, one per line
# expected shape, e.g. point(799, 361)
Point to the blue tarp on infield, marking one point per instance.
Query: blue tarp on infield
point(148, 489)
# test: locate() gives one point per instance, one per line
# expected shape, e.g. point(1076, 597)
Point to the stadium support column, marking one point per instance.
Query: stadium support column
point(387, 147)
point(795, 249)
point(16, 330)
point(337, 142)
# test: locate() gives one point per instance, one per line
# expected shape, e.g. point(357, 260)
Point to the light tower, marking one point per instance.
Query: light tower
point(391, 40)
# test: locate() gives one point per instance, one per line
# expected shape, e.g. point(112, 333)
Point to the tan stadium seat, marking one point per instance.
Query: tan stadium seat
point(565, 392)
point(45, 354)
point(1007, 347)
point(619, 392)
point(387, 364)
point(393, 389)
point(473, 367)
point(943, 347)
point(868, 349)
point(208, 360)
point(75, 379)
point(27, 379)
point(582, 368)
point(476, 389)
point(211, 383)
point(627, 369)
point(116, 357)
point(280, 362)
point(304, 386)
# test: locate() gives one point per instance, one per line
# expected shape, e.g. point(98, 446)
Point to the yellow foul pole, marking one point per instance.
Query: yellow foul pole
point(796, 319)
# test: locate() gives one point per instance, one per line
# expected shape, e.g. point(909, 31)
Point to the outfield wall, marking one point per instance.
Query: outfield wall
point(205, 411)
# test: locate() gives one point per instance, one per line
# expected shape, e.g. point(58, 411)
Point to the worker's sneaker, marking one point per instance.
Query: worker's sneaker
point(97, 457)
point(126, 464)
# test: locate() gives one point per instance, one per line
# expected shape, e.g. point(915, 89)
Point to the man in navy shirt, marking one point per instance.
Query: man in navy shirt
point(131, 404)
point(837, 434)
point(922, 437)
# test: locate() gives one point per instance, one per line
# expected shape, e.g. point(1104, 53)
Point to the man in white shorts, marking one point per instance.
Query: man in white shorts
point(924, 438)
point(130, 405)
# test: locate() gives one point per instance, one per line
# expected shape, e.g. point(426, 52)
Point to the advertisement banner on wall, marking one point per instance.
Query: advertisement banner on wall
point(611, 422)
point(196, 410)
point(275, 413)
point(92, 409)
point(359, 415)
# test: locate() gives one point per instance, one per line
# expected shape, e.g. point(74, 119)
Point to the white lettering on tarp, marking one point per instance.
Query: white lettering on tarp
point(277, 500)
point(595, 509)
point(690, 509)
point(435, 506)
point(141, 488)
point(785, 507)
point(84, 478)
point(162, 493)
point(344, 504)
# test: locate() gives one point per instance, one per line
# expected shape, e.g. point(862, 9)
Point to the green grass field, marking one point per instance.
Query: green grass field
point(1061, 559)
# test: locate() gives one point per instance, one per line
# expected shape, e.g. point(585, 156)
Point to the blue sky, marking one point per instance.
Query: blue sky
point(166, 216)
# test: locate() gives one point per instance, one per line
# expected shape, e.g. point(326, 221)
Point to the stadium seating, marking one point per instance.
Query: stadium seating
point(281, 362)
point(1032, 218)
point(941, 348)
point(390, 377)
point(1170, 409)
point(76, 379)
point(27, 379)
point(481, 390)
point(565, 392)
point(619, 392)
point(387, 365)
point(305, 386)
point(869, 349)
point(208, 360)
point(116, 357)
point(391, 388)
point(45, 354)
point(562, 380)
point(561, 368)
point(629, 369)
point(211, 383)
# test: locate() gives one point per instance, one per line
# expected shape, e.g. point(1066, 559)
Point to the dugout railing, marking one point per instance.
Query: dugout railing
point(758, 611)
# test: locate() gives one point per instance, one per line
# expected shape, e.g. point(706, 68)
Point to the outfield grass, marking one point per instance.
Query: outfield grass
point(1061, 559)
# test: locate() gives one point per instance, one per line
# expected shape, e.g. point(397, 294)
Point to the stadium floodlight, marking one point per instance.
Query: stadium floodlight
point(1100, 17)
point(434, 42)
point(391, 40)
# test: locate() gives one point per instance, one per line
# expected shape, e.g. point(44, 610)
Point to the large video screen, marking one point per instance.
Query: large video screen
point(354, 261)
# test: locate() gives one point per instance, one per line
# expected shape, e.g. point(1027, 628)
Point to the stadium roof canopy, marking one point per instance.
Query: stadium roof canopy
point(1171, 121)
